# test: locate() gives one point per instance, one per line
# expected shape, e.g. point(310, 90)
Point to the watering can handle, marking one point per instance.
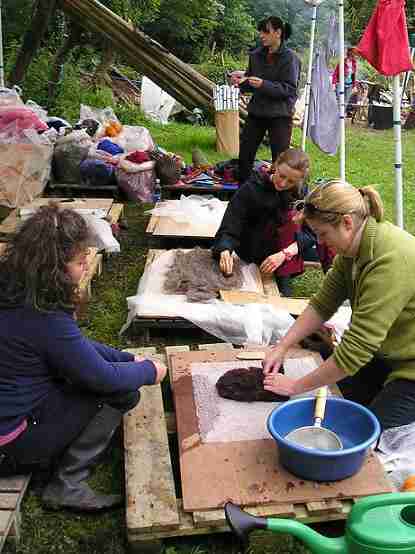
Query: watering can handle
point(391, 499)
point(320, 407)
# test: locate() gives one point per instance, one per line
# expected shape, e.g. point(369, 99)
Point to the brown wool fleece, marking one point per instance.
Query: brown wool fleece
point(197, 275)
point(246, 385)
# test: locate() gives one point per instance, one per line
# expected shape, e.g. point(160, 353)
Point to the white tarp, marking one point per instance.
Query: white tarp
point(155, 103)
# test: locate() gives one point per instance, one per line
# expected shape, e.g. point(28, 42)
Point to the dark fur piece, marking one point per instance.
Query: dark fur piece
point(196, 274)
point(246, 385)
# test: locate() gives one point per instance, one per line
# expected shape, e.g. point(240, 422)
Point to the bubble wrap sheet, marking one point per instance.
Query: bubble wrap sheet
point(224, 420)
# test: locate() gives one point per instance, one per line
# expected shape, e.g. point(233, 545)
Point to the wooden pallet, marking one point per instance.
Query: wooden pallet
point(154, 511)
point(95, 258)
point(147, 321)
point(12, 490)
point(165, 232)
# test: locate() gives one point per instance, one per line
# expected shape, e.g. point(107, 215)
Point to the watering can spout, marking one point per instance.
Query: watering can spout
point(243, 523)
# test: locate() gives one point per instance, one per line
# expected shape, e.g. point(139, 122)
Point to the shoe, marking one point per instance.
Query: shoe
point(68, 488)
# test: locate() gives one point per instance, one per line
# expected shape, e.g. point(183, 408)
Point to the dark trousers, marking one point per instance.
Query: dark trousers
point(279, 131)
point(54, 425)
point(393, 404)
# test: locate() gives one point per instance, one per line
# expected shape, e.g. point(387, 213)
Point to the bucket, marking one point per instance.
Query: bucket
point(355, 425)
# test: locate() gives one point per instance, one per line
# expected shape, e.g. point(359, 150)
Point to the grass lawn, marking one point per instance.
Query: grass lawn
point(370, 161)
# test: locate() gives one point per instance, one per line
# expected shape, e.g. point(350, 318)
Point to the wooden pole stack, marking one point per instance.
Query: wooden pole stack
point(177, 78)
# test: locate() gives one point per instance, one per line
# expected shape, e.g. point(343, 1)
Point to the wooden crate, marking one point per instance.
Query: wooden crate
point(12, 490)
point(154, 511)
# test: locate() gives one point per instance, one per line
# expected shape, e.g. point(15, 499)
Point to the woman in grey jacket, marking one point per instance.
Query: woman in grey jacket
point(272, 78)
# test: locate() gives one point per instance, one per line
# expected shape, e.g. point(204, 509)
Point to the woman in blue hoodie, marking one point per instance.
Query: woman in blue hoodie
point(62, 395)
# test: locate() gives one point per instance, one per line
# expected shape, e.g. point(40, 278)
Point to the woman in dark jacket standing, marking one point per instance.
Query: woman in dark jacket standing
point(272, 77)
point(257, 223)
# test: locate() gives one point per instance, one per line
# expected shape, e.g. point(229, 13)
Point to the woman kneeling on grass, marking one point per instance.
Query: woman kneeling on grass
point(258, 223)
point(374, 364)
point(62, 396)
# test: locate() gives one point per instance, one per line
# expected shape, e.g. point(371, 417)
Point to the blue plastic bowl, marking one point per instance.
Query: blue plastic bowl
point(354, 424)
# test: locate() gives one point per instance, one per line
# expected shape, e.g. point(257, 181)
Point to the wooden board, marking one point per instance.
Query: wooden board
point(293, 305)
point(10, 223)
point(150, 491)
point(152, 255)
point(167, 227)
point(197, 522)
point(247, 472)
point(12, 490)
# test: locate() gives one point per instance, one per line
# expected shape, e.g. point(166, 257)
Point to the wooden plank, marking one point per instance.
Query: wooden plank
point(270, 284)
point(151, 499)
point(9, 224)
point(293, 305)
point(94, 267)
point(171, 351)
point(9, 500)
point(115, 212)
point(216, 346)
point(73, 203)
point(14, 484)
point(323, 507)
point(189, 528)
point(250, 473)
point(6, 520)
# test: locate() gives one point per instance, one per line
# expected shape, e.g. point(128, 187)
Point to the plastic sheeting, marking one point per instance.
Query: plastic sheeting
point(253, 323)
point(396, 450)
point(155, 103)
point(24, 172)
point(192, 209)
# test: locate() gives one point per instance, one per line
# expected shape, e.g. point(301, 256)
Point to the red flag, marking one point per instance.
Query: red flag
point(385, 43)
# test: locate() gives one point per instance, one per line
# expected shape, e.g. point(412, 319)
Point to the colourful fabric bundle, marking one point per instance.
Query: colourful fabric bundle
point(138, 157)
point(110, 147)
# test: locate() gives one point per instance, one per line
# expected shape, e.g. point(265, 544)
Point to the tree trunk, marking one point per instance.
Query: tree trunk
point(72, 40)
point(44, 9)
point(108, 55)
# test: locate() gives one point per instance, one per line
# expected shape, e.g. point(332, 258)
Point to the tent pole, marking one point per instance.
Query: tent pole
point(341, 94)
point(309, 75)
point(1, 52)
point(398, 151)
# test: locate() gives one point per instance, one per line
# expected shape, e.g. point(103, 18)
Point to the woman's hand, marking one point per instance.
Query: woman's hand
point(255, 82)
point(270, 264)
point(280, 384)
point(161, 372)
point(226, 262)
point(273, 360)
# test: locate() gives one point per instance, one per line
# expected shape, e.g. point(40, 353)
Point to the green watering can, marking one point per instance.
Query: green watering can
point(383, 524)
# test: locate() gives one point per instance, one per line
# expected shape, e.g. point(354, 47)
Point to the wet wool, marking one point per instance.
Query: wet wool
point(246, 385)
point(197, 275)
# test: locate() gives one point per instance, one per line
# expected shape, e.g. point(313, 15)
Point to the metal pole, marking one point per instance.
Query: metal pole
point(309, 75)
point(1, 52)
point(341, 94)
point(398, 151)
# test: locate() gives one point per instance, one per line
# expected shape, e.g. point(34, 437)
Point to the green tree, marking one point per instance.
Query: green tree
point(185, 26)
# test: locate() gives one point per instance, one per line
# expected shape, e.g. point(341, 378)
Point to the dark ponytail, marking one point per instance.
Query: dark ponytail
point(276, 23)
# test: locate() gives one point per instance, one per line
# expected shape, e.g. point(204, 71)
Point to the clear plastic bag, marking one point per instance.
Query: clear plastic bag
point(70, 151)
point(24, 172)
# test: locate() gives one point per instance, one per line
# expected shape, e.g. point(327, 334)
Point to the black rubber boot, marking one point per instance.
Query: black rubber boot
point(68, 487)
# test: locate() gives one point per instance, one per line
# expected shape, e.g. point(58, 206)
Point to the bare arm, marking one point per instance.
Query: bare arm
point(327, 373)
point(308, 322)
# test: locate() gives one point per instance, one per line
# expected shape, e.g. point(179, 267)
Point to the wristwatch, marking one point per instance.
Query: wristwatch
point(288, 255)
